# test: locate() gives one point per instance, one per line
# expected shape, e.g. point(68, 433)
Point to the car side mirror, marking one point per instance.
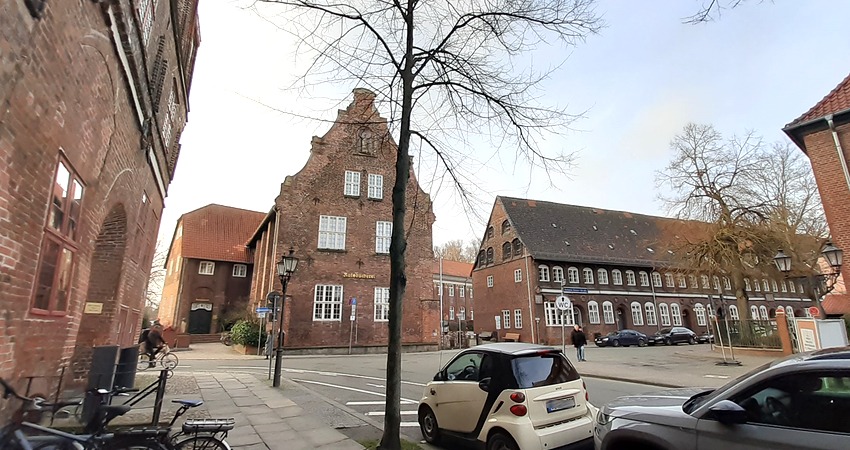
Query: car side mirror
point(484, 384)
point(728, 412)
point(438, 376)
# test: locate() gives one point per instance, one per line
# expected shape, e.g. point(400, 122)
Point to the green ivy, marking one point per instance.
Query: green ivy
point(246, 332)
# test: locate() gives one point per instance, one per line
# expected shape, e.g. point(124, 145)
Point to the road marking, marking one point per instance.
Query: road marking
point(375, 403)
point(379, 386)
point(323, 373)
point(347, 388)
point(715, 376)
point(381, 413)
point(410, 424)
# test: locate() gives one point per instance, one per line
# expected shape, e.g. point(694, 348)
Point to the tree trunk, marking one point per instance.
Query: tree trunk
point(391, 439)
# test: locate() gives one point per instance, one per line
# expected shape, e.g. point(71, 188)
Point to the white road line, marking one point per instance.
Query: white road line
point(376, 403)
point(382, 413)
point(410, 424)
point(379, 386)
point(323, 373)
point(715, 376)
point(347, 388)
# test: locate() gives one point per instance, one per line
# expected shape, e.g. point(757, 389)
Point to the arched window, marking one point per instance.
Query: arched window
point(543, 272)
point(704, 279)
point(715, 282)
point(572, 273)
point(588, 275)
point(681, 279)
point(602, 276)
point(792, 286)
point(693, 279)
point(637, 314)
point(558, 274)
point(789, 311)
point(489, 232)
point(763, 312)
point(756, 285)
point(656, 279)
point(507, 250)
point(489, 255)
point(754, 312)
point(461, 313)
point(517, 247)
point(664, 312)
point(617, 277)
point(668, 277)
point(630, 278)
point(482, 258)
point(644, 279)
point(727, 283)
point(676, 313)
point(765, 285)
point(593, 312)
point(650, 314)
point(733, 312)
point(783, 286)
point(451, 313)
point(775, 286)
point(699, 311)
point(506, 226)
point(608, 312)
point(747, 285)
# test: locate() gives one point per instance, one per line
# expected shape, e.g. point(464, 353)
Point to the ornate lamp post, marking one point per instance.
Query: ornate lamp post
point(817, 285)
point(285, 268)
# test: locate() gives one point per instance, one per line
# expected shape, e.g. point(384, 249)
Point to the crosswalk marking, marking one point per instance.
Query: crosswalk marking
point(362, 391)
point(410, 424)
point(382, 413)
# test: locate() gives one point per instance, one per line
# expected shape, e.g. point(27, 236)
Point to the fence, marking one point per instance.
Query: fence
point(750, 334)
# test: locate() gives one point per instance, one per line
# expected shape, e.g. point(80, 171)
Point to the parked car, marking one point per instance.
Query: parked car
point(800, 402)
point(622, 337)
point(673, 336)
point(508, 396)
point(705, 338)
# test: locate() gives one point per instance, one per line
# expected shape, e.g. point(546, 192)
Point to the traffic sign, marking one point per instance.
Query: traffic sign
point(262, 310)
point(563, 303)
point(814, 311)
point(574, 290)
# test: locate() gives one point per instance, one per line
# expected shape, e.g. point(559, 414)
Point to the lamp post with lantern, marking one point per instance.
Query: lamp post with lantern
point(817, 285)
point(285, 268)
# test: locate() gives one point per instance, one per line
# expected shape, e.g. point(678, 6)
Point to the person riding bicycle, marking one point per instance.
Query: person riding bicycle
point(152, 340)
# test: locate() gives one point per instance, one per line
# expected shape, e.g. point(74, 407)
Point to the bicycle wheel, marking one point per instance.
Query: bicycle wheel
point(144, 362)
point(201, 443)
point(170, 361)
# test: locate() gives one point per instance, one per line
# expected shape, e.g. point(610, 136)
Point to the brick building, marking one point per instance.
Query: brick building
point(823, 133)
point(94, 98)
point(336, 213)
point(208, 270)
point(616, 267)
point(453, 285)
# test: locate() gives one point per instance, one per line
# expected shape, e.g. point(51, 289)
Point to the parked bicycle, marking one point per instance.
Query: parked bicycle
point(226, 339)
point(164, 358)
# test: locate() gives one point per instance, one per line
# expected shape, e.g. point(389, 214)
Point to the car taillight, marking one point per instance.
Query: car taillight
point(519, 410)
point(586, 394)
point(518, 397)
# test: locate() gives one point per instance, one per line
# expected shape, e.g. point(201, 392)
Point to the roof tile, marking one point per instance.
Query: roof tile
point(219, 233)
point(836, 304)
point(836, 101)
point(453, 268)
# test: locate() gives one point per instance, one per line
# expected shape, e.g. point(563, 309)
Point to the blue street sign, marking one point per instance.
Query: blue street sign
point(261, 310)
point(574, 290)
point(352, 301)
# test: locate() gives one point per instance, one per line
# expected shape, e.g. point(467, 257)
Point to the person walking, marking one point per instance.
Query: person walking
point(268, 346)
point(579, 341)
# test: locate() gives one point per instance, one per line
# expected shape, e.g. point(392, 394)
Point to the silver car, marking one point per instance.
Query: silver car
point(799, 402)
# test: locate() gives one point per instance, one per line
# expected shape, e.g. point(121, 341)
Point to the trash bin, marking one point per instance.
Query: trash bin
point(125, 371)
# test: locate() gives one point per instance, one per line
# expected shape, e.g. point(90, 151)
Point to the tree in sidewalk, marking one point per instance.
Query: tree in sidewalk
point(444, 69)
point(458, 250)
point(156, 281)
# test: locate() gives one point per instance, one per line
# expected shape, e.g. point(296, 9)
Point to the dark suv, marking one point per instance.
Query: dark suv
point(673, 336)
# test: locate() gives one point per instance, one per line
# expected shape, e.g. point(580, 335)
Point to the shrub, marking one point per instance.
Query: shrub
point(246, 332)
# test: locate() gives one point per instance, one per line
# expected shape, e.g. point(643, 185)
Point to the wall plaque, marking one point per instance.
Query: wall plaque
point(93, 308)
point(359, 276)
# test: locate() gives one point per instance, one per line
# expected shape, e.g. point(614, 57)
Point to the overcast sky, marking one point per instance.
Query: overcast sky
point(639, 82)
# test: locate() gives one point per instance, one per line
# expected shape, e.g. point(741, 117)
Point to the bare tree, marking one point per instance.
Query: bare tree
point(457, 250)
point(156, 280)
point(711, 9)
point(442, 68)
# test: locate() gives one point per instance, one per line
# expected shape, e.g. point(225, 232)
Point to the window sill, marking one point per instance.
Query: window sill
point(376, 199)
point(382, 254)
point(46, 313)
point(332, 250)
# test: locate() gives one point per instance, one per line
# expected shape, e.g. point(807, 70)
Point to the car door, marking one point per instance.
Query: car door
point(796, 411)
point(628, 338)
point(458, 398)
point(680, 335)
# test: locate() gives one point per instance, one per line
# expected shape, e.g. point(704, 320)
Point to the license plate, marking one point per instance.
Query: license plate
point(560, 404)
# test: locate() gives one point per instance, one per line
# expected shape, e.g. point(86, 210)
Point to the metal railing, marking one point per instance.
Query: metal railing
point(750, 334)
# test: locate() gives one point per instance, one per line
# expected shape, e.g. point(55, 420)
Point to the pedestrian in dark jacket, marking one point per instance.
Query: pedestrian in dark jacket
point(579, 341)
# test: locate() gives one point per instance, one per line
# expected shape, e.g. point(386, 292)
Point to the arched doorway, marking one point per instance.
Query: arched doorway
point(578, 315)
point(101, 299)
point(686, 319)
point(200, 317)
point(621, 318)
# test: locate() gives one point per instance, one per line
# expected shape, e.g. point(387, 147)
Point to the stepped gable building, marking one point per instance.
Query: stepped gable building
point(94, 98)
point(336, 213)
point(208, 270)
point(616, 267)
point(453, 284)
point(823, 133)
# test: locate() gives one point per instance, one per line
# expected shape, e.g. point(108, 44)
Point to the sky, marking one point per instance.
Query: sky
point(636, 83)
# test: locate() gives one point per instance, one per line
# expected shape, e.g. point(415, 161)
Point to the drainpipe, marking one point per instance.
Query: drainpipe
point(654, 300)
point(839, 149)
point(530, 303)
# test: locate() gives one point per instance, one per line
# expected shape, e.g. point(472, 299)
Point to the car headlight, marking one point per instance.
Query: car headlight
point(602, 418)
point(604, 339)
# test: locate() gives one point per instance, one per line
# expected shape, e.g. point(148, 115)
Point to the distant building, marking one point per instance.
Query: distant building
point(823, 133)
point(208, 270)
point(615, 267)
point(95, 97)
point(336, 213)
point(453, 286)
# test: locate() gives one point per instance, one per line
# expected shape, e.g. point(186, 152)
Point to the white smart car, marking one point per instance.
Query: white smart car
point(508, 396)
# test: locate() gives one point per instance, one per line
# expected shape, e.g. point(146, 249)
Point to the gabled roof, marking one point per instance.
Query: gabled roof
point(559, 232)
point(218, 233)
point(838, 100)
point(453, 268)
point(836, 304)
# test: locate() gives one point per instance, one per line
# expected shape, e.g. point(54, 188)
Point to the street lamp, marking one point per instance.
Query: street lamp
point(818, 284)
point(285, 268)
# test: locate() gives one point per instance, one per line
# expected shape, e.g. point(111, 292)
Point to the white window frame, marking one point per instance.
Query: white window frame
point(558, 274)
point(733, 312)
point(608, 312)
point(329, 307)
point(553, 315)
point(240, 270)
point(352, 184)
point(461, 313)
point(747, 286)
point(382, 304)
point(602, 276)
point(704, 280)
point(699, 311)
point(451, 290)
point(727, 283)
point(715, 282)
point(668, 278)
point(656, 279)
point(593, 312)
point(637, 314)
point(664, 314)
point(784, 286)
point(572, 274)
point(206, 268)
point(146, 10)
point(517, 318)
point(617, 277)
point(332, 231)
point(644, 278)
point(383, 237)
point(588, 275)
point(506, 318)
point(376, 187)
point(792, 286)
point(756, 285)
point(518, 276)
point(682, 282)
point(693, 281)
point(676, 314)
point(630, 278)
point(651, 318)
point(461, 291)
point(168, 117)
point(789, 311)
point(489, 281)
point(754, 312)
point(451, 312)
point(774, 285)
point(763, 313)
point(765, 285)
point(543, 273)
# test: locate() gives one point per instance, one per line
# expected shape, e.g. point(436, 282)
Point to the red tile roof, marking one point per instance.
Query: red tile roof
point(219, 233)
point(453, 268)
point(836, 101)
point(836, 304)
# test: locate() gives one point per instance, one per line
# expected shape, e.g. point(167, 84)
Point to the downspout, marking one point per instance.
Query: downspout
point(838, 148)
point(655, 300)
point(440, 342)
point(530, 307)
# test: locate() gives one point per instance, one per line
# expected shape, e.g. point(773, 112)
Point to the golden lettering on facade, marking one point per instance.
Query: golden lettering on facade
point(359, 276)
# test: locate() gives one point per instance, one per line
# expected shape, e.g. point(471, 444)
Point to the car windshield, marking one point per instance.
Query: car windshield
point(543, 370)
point(664, 331)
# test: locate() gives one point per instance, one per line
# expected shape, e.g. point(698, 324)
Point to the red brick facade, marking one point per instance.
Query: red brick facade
point(353, 264)
point(455, 279)
point(84, 164)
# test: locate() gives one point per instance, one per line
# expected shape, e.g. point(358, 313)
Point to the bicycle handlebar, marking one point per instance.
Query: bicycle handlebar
point(36, 402)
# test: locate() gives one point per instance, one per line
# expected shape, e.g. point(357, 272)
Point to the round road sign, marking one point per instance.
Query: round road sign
point(563, 303)
point(814, 311)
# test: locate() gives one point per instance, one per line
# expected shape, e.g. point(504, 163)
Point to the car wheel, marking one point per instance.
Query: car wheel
point(641, 343)
point(616, 343)
point(668, 341)
point(428, 425)
point(691, 340)
point(501, 441)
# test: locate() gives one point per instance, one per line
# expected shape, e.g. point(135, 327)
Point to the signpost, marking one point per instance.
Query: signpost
point(814, 311)
point(563, 304)
point(261, 314)
point(273, 299)
point(353, 302)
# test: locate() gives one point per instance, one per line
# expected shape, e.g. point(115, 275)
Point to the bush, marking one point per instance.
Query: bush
point(246, 332)
point(847, 323)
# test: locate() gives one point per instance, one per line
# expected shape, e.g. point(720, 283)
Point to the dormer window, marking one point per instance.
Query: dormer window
point(506, 226)
point(365, 142)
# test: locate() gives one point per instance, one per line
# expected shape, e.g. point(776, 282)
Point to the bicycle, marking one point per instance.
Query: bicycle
point(163, 358)
point(226, 339)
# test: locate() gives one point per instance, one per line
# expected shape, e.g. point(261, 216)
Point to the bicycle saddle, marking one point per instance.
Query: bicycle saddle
point(109, 412)
point(189, 403)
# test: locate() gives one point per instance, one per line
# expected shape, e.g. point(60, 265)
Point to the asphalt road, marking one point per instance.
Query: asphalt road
point(348, 392)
